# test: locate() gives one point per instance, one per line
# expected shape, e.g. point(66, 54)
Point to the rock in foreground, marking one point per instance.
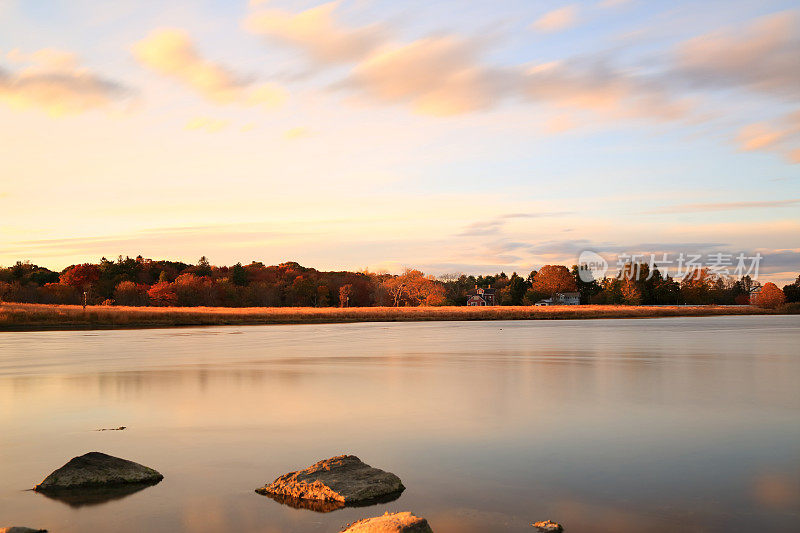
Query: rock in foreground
point(340, 479)
point(548, 526)
point(390, 523)
point(97, 469)
point(20, 529)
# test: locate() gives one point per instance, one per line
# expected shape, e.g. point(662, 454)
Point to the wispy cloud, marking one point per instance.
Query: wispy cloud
point(614, 3)
point(317, 32)
point(557, 20)
point(593, 83)
point(724, 206)
point(782, 136)
point(170, 51)
point(210, 125)
point(160, 240)
point(762, 56)
point(53, 81)
point(495, 225)
point(297, 132)
point(436, 76)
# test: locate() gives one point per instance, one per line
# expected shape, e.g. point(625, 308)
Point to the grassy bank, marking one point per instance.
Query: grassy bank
point(15, 317)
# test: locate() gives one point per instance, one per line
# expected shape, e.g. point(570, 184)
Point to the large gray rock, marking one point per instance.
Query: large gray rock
point(390, 523)
point(342, 479)
point(97, 469)
point(20, 529)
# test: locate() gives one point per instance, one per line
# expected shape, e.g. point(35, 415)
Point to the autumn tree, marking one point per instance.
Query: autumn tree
point(323, 296)
point(5, 288)
point(345, 291)
point(162, 294)
point(396, 288)
point(192, 290)
point(81, 277)
point(412, 287)
point(770, 296)
point(630, 292)
point(553, 279)
point(58, 293)
point(130, 293)
point(696, 286)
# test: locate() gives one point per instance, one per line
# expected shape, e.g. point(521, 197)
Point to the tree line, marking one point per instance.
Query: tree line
point(141, 282)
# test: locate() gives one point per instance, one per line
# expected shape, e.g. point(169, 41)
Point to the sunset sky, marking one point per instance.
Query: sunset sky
point(446, 136)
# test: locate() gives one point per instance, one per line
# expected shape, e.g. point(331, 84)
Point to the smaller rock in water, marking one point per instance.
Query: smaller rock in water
point(20, 529)
point(343, 478)
point(390, 523)
point(120, 428)
point(96, 469)
point(548, 526)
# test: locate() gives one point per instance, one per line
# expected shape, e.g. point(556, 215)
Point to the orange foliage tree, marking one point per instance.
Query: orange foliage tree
point(5, 288)
point(130, 293)
point(631, 295)
point(345, 291)
point(553, 279)
point(413, 288)
point(58, 293)
point(770, 296)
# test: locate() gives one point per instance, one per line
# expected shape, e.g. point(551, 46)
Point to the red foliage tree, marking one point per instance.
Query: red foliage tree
point(80, 276)
point(163, 294)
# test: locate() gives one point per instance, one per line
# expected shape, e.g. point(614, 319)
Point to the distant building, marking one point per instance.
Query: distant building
point(481, 297)
point(562, 298)
point(755, 292)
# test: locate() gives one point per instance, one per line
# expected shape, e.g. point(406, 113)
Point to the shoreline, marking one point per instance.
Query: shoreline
point(43, 317)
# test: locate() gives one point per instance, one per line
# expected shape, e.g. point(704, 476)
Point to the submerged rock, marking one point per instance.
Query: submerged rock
point(20, 529)
point(548, 526)
point(342, 479)
point(96, 469)
point(390, 523)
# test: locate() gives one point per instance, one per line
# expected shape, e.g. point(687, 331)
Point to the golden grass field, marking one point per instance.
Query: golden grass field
point(15, 316)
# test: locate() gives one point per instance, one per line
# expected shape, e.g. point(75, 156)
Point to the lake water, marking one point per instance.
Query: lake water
point(659, 425)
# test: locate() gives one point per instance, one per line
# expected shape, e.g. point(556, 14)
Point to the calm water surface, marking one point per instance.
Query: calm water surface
point(673, 424)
